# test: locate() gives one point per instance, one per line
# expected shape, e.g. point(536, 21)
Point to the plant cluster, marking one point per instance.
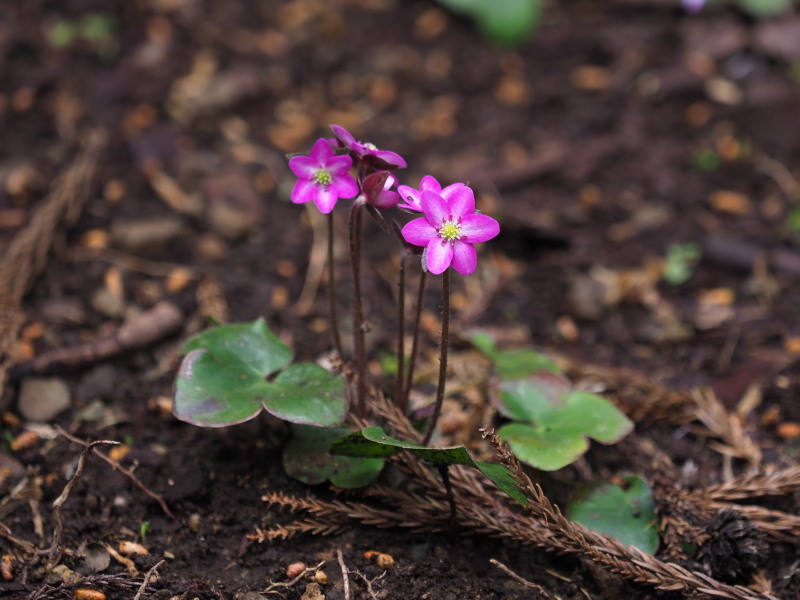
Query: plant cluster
point(231, 373)
point(346, 430)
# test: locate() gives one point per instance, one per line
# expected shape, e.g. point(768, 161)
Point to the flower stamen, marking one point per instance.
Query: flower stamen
point(323, 177)
point(450, 231)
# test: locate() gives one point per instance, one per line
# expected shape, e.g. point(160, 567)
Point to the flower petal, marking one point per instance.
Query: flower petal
point(386, 199)
point(321, 152)
point(325, 199)
point(303, 191)
point(344, 186)
point(344, 136)
point(389, 157)
point(418, 232)
point(339, 165)
point(447, 192)
point(430, 183)
point(438, 255)
point(303, 167)
point(434, 207)
point(478, 228)
point(410, 198)
point(465, 257)
point(461, 202)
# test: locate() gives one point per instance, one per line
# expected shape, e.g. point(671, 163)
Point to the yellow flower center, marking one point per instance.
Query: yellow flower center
point(450, 231)
point(323, 177)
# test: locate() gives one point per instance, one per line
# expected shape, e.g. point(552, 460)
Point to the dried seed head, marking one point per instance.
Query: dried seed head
point(735, 548)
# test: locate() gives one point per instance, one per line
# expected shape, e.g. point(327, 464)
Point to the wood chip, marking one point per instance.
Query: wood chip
point(729, 202)
point(788, 430)
point(591, 78)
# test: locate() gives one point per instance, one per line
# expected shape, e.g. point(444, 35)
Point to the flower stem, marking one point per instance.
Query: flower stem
point(415, 340)
point(337, 340)
point(437, 408)
point(354, 231)
point(401, 400)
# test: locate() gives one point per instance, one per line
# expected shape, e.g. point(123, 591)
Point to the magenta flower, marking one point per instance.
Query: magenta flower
point(429, 183)
point(377, 190)
point(322, 177)
point(693, 6)
point(449, 230)
point(383, 159)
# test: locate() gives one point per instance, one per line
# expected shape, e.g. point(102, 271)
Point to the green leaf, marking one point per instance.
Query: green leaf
point(222, 380)
point(307, 393)
point(554, 421)
point(532, 398)
point(680, 260)
point(307, 459)
point(216, 390)
point(626, 512)
point(507, 22)
point(374, 442)
point(542, 447)
point(512, 363)
point(765, 8)
point(252, 343)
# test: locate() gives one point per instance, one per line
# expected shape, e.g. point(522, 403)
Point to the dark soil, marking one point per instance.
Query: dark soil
point(621, 129)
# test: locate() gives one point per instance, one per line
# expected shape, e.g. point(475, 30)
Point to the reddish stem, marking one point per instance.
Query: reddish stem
point(437, 408)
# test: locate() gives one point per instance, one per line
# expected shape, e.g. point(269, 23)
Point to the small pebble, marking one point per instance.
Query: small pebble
point(42, 398)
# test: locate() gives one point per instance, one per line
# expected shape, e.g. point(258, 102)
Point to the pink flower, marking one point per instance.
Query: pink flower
point(377, 190)
point(449, 230)
point(429, 183)
point(322, 177)
point(382, 159)
point(693, 6)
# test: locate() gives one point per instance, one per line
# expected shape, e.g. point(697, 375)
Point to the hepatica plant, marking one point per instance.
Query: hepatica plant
point(231, 373)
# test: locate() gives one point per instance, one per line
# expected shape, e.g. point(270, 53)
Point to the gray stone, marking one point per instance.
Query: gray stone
point(42, 398)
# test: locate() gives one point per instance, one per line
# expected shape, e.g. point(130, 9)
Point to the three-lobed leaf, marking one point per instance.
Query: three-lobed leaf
point(512, 363)
point(552, 421)
point(223, 380)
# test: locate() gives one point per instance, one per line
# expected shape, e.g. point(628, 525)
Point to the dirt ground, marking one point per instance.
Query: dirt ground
point(156, 131)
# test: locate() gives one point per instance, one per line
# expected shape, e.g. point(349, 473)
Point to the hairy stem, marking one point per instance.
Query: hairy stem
point(337, 340)
point(437, 408)
point(354, 232)
point(415, 340)
point(402, 401)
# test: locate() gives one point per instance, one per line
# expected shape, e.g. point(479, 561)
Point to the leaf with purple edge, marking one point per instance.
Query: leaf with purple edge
point(223, 380)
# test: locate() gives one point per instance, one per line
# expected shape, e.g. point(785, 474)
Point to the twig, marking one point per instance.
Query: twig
point(148, 576)
point(27, 255)
point(54, 552)
point(270, 589)
point(159, 321)
point(129, 565)
point(369, 582)
point(129, 474)
point(345, 579)
point(528, 584)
